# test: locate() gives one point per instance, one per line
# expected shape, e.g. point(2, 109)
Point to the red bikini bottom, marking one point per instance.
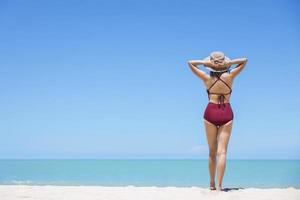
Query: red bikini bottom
point(218, 114)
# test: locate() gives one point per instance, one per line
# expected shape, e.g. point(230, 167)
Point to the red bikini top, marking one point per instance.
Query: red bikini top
point(221, 95)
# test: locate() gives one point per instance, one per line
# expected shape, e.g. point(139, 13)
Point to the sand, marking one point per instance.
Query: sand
point(16, 192)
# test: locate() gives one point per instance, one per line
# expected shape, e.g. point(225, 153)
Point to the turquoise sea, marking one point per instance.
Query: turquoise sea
point(149, 172)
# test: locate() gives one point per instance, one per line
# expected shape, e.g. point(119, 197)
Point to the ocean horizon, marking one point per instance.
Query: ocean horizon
point(240, 173)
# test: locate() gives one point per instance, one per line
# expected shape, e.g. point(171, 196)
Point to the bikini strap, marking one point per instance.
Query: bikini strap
point(213, 84)
point(207, 90)
point(226, 84)
point(219, 78)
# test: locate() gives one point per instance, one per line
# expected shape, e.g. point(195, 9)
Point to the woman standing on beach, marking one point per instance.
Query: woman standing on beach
point(218, 115)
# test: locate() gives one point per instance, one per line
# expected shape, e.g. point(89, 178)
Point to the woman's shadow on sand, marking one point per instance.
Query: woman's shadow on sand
point(230, 189)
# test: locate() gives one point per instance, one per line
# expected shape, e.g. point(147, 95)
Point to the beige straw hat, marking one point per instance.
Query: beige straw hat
point(217, 55)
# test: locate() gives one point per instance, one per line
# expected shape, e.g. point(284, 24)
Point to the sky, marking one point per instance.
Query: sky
point(109, 79)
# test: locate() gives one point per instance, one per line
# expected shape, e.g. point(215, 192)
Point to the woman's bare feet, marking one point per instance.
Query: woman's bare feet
point(219, 188)
point(212, 186)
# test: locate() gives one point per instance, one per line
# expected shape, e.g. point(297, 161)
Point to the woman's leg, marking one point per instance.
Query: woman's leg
point(223, 139)
point(211, 134)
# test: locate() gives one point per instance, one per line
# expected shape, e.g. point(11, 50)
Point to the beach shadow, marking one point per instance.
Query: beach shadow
point(230, 189)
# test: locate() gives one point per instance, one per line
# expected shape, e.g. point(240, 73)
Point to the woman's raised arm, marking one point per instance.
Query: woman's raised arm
point(241, 62)
point(200, 73)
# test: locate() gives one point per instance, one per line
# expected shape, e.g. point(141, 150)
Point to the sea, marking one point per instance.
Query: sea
point(148, 172)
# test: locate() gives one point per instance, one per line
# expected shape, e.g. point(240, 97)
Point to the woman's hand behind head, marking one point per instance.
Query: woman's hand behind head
point(220, 65)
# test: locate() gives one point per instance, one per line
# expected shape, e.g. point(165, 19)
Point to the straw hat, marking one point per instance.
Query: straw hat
point(217, 55)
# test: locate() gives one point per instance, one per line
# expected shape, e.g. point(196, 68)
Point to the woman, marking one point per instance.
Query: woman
point(218, 115)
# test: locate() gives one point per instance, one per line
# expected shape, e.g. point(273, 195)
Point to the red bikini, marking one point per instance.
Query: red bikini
point(220, 113)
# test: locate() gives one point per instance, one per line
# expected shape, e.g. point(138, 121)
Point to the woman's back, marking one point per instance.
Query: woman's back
point(219, 86)
point(218, 83)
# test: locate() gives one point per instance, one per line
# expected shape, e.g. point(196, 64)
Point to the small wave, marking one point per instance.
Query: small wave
point(17, 182)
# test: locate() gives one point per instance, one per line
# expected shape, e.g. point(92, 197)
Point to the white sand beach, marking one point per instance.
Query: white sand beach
point(17, 192)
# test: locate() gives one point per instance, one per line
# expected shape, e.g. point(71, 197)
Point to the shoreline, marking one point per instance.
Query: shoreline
point(130, 192)
point(140, 186)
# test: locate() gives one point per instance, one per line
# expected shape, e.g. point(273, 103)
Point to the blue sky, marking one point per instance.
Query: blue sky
point(109, 79)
